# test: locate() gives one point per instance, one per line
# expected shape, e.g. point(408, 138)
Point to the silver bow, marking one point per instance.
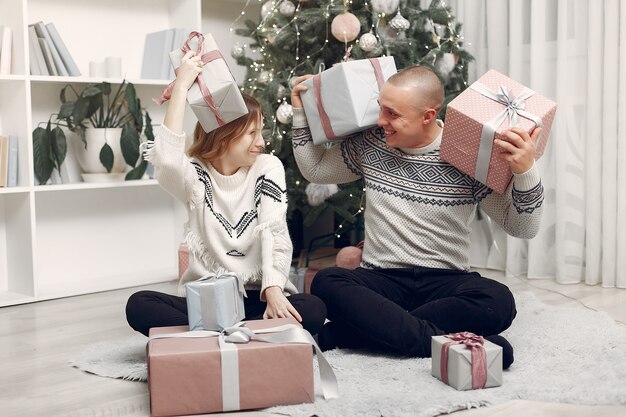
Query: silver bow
point(514, 107)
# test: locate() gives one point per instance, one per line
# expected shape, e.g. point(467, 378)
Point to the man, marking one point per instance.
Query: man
point(414, 280)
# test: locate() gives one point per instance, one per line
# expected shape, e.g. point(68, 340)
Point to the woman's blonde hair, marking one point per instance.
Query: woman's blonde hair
point(211, 146)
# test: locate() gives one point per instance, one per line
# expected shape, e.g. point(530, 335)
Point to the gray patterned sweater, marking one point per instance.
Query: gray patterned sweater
point(418, 207)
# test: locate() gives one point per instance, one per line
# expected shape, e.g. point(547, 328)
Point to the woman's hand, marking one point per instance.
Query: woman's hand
point(518, 148)
point(190, 67)
point(278, 306)
point(296, 101)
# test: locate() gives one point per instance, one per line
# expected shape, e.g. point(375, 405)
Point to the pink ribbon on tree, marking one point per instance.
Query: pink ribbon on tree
point(317, 89)
point(205, 58)
point(479, 357)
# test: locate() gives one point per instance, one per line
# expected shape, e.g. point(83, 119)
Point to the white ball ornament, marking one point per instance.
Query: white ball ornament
point(281, 92)
point(318, 193)
point(368, 42)
point(264, 77)
point(345, 27)
point(287, 8)
point(445, 65)
point(267, 8)
point(399, 23)
point(284, 113)
point(385, 6)
point(237, 51)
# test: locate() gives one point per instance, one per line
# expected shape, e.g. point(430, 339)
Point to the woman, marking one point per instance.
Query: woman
point(236, 201)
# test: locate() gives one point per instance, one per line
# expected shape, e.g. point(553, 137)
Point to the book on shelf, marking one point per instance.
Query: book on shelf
point(42, 33)
point(47, 55)
point(180, 34)
point(66, 57)
point(4, 159)
point(37, 61)
point(6, 46)
point(12, 162)
point(156, 61)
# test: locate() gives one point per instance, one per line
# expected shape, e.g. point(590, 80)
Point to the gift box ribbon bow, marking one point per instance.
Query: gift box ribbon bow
point(479, 357)
point(229, 337)
point(514, 107)
point(206, 58)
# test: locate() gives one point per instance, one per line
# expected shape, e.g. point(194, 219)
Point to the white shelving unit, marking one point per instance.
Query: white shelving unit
point(69, 239)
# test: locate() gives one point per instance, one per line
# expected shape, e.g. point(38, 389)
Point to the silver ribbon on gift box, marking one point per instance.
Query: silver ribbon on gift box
point(227, 308)
point(228, 338)
point(514, 107)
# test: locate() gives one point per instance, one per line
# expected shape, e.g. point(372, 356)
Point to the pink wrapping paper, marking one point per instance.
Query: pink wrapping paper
point(183, 259)
point(184, 375)
point(469, 111)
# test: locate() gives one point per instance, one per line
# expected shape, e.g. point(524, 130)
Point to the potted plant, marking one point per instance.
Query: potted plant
point(117, 118)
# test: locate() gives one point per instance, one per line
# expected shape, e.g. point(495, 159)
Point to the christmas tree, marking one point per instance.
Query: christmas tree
point(305, 37)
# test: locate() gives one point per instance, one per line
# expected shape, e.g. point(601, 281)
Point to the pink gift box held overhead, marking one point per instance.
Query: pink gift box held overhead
point(197, 372)
point(480, 114)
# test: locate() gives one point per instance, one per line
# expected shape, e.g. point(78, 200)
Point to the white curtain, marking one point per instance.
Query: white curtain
point(574, 52)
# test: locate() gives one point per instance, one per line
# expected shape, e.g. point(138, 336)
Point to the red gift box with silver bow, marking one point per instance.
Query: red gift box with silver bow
point(480, 114)
point(466, 361)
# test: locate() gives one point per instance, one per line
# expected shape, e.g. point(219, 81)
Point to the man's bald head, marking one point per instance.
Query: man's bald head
point(428, 88)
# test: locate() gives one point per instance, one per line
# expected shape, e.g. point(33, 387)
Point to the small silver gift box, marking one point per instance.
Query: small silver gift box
point(347, 95)
point(218, 79)
point(460, 363)
point(215, 302)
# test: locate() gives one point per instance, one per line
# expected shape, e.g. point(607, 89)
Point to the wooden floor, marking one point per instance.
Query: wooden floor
point(37, 340)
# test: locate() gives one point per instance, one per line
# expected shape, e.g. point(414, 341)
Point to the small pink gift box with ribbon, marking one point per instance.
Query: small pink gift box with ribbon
point(480, 114)
point(466, 361)
point(215, 97)
point(344, 99)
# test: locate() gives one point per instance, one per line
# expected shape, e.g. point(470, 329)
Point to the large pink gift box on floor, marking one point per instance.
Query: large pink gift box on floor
point(481, 114)
point(185, 374)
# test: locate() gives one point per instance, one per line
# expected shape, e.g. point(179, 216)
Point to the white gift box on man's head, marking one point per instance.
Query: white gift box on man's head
point(215, 97)
point(215, 302)
point(344, 99)
point(466, 361)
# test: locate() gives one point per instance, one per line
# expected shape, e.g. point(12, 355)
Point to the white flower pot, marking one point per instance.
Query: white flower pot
point(89, 158)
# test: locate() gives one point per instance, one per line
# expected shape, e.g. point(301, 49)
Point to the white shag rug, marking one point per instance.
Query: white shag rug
point(568, 355)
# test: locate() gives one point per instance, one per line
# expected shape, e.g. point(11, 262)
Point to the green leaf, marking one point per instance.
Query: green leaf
point(41, 154)
point(91, 91)
point(66, 111)
point(106, 88)
point(81, 110)
point(137, 172)
point(59, 146)
point(129, 142)
point(148, 131)
point(106, 157)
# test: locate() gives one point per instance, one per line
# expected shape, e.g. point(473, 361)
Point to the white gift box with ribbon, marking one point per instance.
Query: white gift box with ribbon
point(215, 97)
point(480, 114)
point(215, 302)
point(344, 99)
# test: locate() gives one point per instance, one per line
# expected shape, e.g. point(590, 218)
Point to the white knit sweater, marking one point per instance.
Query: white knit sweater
point(418, 208)
point(236, 223)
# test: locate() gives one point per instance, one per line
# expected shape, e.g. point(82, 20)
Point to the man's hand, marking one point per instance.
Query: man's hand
point(296, 101)
point(278, 306)
point(518, 148)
